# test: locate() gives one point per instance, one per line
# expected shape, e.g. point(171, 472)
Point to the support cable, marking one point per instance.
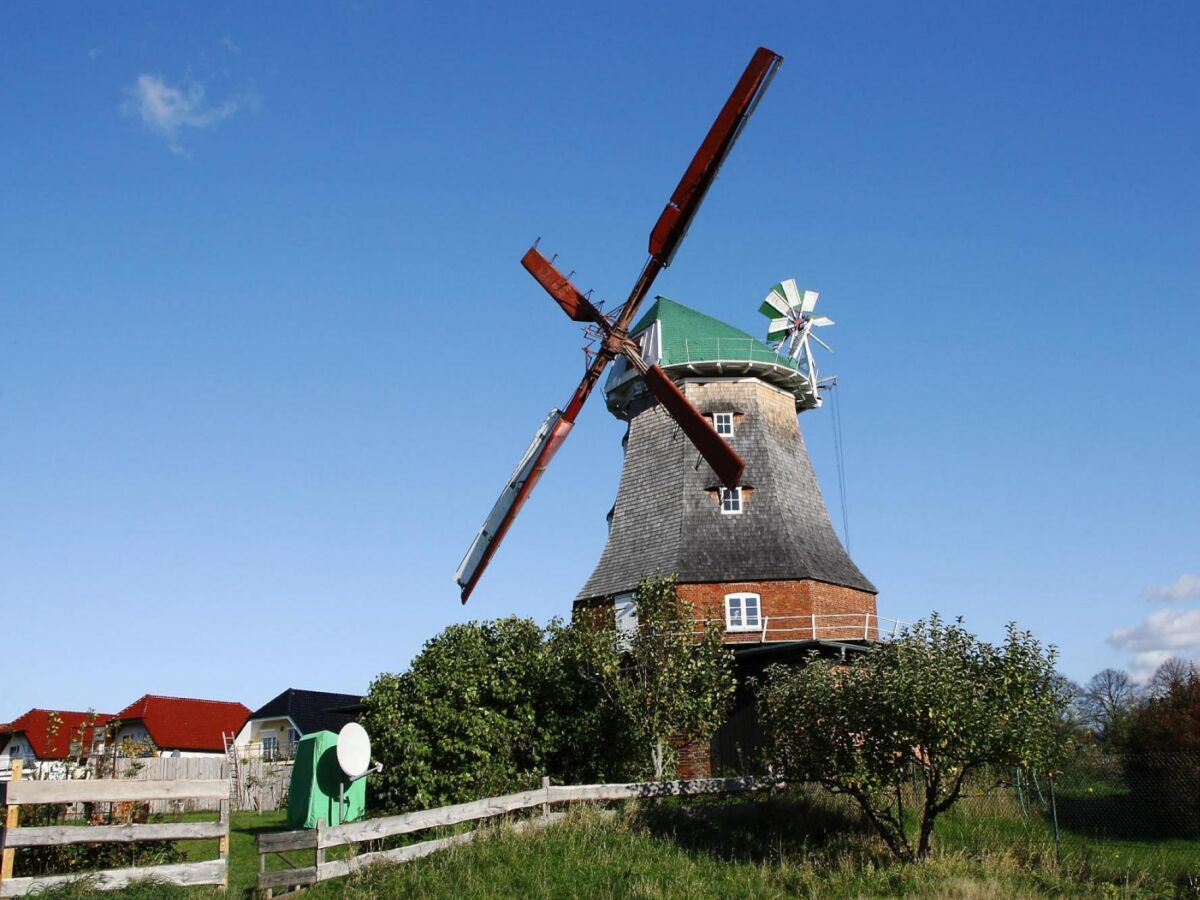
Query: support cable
point(841, 462)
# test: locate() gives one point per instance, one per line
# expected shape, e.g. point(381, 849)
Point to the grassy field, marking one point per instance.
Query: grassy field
point(786, 846)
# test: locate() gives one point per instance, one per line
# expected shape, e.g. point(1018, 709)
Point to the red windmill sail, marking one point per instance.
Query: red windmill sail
point(665, 238)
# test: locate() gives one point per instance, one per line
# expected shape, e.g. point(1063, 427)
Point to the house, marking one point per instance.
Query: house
point(43, 736)
point(274, 729)
point(180, 726)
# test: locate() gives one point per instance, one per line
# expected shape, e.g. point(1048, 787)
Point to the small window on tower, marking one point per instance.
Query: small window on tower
point(723, 423)
point(731, 501)
point(742, 612)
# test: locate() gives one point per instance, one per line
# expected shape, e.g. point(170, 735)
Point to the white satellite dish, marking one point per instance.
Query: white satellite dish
point(354, 750)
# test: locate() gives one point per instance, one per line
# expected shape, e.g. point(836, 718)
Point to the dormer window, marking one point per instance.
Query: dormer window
point(723, 424)
point(731, 501)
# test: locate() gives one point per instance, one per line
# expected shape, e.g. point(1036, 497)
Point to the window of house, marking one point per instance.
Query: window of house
point(14, 751)
point(723, 423)
point(293, 740)
point(742, 612)
point(731, 501)
point(270, 746)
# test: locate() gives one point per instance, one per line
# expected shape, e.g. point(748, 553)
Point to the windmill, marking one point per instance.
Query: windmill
point(792, 321)
point(612, 329)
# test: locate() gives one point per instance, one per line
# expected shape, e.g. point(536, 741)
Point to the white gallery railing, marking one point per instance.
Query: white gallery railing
point(816, 627)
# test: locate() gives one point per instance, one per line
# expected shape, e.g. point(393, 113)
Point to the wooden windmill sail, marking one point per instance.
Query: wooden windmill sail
point(612, 330)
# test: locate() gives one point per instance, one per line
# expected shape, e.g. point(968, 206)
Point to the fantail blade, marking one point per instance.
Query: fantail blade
point(774, 304)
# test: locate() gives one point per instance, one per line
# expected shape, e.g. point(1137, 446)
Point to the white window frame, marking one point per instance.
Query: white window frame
point(271, 751)
point(737, 612)
point(723, 424)
point(730, 500)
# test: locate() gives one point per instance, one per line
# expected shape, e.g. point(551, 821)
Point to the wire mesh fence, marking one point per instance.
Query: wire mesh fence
point(1117, 813)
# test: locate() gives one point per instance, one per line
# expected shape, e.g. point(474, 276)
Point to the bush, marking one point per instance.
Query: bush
point(936, 700)
point(465, 721)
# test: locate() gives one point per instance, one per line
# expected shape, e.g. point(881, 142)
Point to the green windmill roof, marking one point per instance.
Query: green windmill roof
point(689, 336)
point(689, 344)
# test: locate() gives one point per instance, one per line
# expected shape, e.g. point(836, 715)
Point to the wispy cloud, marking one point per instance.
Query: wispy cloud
point(1162, 634)
point(1187, 587)
point(169, 110)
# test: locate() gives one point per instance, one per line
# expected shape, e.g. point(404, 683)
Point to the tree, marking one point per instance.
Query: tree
point(1106, 704)
point(936, 698)
point(1162, 758)
point(1172, 675)
point(669, 680)
point(466, 721)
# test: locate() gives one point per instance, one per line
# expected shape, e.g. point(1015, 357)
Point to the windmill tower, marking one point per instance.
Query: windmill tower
point(760, 556)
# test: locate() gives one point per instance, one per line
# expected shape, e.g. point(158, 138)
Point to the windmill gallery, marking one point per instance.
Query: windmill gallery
point(717, 487)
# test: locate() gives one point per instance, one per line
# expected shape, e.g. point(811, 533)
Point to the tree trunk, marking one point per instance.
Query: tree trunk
point(926, 842)
point(656, 755)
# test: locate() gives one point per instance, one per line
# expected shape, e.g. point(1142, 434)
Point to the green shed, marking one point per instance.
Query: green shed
point(316, 781)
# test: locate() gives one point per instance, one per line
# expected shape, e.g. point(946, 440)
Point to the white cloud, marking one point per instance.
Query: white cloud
point(1162, 634)
point(169, 110)
point(1186, 588)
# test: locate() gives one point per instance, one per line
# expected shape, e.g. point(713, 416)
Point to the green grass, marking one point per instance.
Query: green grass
point(806, 846)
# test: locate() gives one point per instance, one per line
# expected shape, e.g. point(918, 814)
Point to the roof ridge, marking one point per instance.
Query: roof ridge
point(186, 699)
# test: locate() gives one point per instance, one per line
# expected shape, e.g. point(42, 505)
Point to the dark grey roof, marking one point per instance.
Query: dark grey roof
point(311, 710)
point(666, 519)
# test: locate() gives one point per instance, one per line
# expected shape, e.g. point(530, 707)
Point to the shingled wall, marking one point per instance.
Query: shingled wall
point(667, 520)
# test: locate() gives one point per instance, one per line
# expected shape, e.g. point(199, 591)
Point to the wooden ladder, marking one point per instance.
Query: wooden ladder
point(234, 766)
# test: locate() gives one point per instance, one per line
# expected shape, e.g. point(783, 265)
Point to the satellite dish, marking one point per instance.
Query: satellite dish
point(354, 750)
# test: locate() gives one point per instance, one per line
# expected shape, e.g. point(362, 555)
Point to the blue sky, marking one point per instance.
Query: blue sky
point(267, 353)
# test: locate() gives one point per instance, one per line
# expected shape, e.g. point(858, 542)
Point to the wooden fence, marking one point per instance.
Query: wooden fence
point(322, 838)
point(18, 793)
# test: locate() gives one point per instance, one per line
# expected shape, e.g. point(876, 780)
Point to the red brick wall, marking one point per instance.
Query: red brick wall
point(788, 607)
point(693, 759)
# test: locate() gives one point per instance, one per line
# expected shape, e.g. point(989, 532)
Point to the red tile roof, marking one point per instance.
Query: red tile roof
point(35, 725)
point(180, 723)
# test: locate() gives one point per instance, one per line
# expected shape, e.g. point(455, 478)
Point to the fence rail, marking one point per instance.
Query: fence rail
point(322, 838)
point(18, 793)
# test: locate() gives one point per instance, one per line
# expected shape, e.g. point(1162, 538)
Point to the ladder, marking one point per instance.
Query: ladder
point(233, 766)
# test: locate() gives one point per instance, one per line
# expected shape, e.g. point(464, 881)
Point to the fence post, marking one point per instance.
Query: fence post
point(1054, 817)
point(223, 844)
point(320, 846)
point(546, 802)
point(262, 869)
point(11, 814)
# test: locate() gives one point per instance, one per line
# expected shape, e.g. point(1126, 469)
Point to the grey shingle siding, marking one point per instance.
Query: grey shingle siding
point(666, 517)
